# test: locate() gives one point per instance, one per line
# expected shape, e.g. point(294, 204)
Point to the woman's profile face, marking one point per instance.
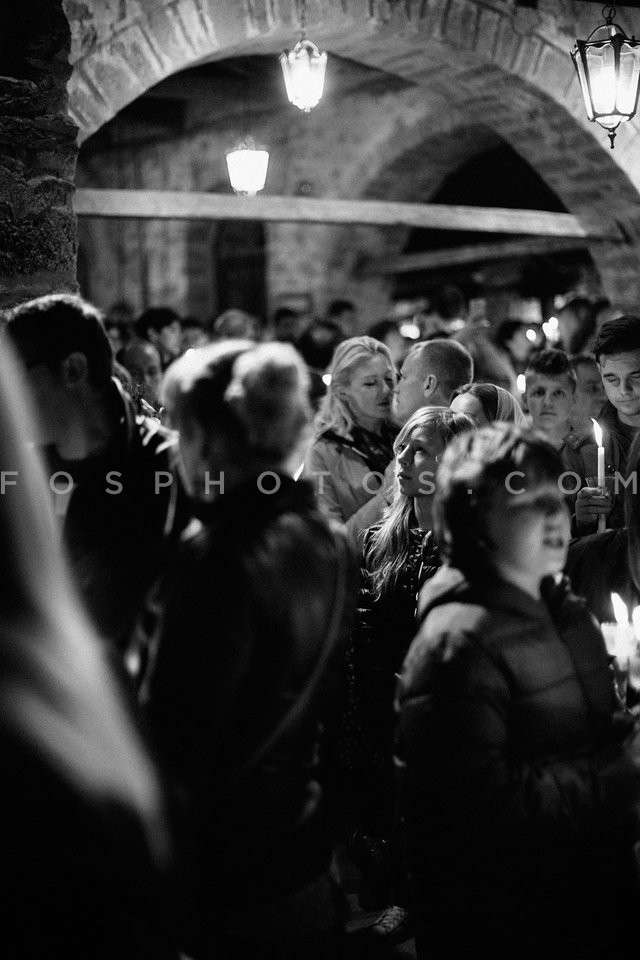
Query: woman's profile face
point(416, 461)
point(369, 392)
point(467, 403)
point(530, 533)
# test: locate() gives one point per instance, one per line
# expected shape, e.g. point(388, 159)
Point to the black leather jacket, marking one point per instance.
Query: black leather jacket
point(254, 619)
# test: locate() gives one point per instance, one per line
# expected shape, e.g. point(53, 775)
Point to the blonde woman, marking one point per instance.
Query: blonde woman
point(353, 442)
point(400, 554)
point(84, 845)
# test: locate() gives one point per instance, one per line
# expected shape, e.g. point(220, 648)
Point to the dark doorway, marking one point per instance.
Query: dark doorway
point(239, 267)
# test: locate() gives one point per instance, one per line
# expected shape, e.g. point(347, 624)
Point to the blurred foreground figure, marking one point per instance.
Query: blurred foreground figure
point(254, 620)
point(82, 828)
point(110, 469)
point(522, 774)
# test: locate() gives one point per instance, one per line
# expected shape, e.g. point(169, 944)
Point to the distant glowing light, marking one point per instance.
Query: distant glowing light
point(521, 382)
point(410, 329)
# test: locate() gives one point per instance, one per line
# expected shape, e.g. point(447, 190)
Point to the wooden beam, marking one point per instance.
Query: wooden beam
point(180, 205)
point(474, 253)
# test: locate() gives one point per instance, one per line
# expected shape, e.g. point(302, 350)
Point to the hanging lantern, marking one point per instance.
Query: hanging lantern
point(608, 68)
point(303, 68)
point(247, 166)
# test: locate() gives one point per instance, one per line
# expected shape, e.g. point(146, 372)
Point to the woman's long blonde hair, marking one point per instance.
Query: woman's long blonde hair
point(57, 694)
point(390, 544)
point(334, 413)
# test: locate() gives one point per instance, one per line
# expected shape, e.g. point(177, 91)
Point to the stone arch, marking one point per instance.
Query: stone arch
point(504, 63)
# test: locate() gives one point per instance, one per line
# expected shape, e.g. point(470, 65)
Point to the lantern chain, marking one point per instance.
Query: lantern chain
point(302, 18)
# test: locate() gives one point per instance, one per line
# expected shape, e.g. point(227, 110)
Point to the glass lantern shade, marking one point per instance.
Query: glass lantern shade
point(608, 68)
point(247, 166)
point(303, 69)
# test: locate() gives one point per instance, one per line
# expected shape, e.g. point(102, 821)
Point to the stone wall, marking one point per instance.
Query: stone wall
point(37, 153)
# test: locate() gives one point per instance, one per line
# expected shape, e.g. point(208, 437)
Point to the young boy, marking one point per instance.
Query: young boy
point(550, 394)
point(550, 399)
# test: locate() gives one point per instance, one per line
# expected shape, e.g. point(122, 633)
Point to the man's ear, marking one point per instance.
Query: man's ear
point(429, 385)
point(75, 369)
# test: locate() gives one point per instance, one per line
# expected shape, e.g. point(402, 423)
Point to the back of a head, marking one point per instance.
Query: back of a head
point(449, 302)
point(382, 328)
point(551, 363)
point(235, 324)
point(339, 306)
point(485, 393)
point(482, 463)
point(497, 403)
point(506, 330)
point(448, 360)
point(318, 343)
point(578, 316)
point(50, 328)
point(579, 360)
point(621, 335)
point(155, 318)
point(446, 424)
point(253, 395)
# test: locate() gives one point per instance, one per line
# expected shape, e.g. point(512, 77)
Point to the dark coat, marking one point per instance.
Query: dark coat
point(123, 510)
point(383, 630)
point(518, 798)
point(246, 650)
point(80, 877)
point(598, 566)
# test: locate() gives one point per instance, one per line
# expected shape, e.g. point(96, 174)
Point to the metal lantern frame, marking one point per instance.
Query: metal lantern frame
point(608, 39)
point(303, 69)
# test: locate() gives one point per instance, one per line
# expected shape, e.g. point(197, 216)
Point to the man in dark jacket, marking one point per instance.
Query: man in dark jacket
point(617, 351)
point(109, 469)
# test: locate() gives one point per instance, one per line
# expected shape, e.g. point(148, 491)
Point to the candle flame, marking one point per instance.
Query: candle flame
point(597, 431)
point(619, 608)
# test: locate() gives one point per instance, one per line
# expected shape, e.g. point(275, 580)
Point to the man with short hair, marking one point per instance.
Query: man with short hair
point(116, 494)
point(162, 327)
point(432, 370)
point(617, 350)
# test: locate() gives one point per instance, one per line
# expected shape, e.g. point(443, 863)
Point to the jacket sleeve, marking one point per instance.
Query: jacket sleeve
point(455, 733)
point(368, 514)
point(319, 474)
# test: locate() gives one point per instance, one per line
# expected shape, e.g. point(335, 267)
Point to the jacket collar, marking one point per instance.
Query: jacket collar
point(449, 585)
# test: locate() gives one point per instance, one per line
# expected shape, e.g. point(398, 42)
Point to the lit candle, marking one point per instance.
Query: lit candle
point(597, 430)
point(621, 643)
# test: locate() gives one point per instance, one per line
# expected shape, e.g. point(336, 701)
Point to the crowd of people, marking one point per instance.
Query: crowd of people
point(289, 606)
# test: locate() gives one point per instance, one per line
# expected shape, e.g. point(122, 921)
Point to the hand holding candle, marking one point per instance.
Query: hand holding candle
point(597, 430)
point(621, 643)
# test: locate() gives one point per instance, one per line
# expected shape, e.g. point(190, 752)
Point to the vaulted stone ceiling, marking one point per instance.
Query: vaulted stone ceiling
point(428, 72)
